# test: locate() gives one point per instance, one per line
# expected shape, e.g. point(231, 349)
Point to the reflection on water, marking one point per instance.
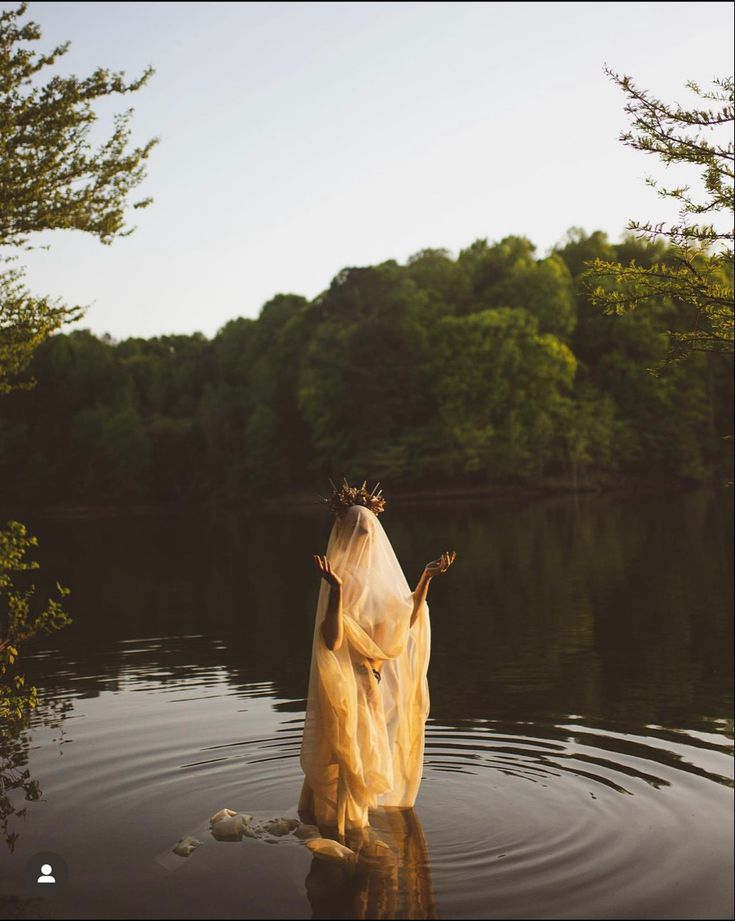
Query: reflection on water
point(578, 754)
point(15, 778)
point(17, 786)
point(615, 608)
point(391, 879)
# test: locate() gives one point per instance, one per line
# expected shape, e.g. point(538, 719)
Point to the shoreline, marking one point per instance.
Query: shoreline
point(627, 488)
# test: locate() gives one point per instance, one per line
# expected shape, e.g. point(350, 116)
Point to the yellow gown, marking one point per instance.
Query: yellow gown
point(363, 741)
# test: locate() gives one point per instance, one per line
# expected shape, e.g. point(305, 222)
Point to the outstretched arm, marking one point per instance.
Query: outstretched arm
point(431, 569)
point(419, 595)
point(332, 629)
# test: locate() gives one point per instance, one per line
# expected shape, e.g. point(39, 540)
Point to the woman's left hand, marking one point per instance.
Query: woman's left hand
point(441, 564)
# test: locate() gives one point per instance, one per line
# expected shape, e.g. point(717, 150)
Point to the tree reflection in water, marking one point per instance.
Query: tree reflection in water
point(17, 787)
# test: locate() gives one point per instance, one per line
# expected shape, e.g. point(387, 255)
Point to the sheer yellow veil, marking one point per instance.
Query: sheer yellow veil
point(363, 741)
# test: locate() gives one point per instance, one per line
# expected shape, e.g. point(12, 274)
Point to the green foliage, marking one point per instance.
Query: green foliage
point(508, 275)
point(18, 622)
point(405, 373)
point(697, 274)
point(587, 434)
point(496, 380)
point(51, 177)
point(25, 322)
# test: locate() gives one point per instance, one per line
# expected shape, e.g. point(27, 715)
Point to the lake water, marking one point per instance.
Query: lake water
point(579, 750)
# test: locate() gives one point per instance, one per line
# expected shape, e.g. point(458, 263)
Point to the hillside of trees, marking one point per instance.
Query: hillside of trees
point(489, 368)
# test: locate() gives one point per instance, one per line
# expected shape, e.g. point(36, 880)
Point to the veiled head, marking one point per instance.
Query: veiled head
point(358, 520)
point(374, 589)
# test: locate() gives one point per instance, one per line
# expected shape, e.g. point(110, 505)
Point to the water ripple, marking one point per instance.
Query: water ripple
point(550, 819)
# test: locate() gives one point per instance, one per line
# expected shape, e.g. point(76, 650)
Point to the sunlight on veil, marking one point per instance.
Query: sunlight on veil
point(363, 742)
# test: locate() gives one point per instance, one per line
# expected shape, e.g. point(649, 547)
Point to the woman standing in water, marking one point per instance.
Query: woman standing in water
point(368, 697)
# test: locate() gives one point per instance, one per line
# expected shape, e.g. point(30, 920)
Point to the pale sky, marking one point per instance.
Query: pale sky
point(301, 138)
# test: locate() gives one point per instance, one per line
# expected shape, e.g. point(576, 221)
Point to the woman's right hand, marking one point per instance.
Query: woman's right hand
point(326, 571)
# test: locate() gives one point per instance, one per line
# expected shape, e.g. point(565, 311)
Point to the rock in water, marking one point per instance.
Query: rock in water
point(231, 826)
point(280, 827)
point(222, 814)
point(327, 849)
point(186, 845)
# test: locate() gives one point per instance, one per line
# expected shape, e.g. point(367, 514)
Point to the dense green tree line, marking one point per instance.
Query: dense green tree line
point(492, 367)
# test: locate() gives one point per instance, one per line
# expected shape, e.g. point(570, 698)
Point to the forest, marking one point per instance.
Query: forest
point(491, 368)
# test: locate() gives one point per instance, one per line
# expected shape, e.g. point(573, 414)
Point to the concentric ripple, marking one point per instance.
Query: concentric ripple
point(568, 820)
point(514, 820)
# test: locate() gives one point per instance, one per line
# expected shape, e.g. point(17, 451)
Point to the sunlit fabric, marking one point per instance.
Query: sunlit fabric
point(363, 742)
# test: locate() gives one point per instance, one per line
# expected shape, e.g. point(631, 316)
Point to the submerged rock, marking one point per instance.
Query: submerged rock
point(222, 814)
point(327, 849)
point(186, 845)
point(231, 826)
point(280, 827)
point(228, 825)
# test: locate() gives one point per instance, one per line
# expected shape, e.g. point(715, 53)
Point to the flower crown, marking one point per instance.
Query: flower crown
point(347, 496)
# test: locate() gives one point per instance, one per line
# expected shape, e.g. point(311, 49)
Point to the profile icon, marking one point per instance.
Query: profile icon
point(46, 876)
point(44, 872)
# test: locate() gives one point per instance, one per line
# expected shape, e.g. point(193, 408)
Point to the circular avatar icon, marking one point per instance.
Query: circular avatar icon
point(45, 873)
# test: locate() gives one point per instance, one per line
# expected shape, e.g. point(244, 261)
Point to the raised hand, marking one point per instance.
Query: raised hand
point(326, 571)
point(441, 564)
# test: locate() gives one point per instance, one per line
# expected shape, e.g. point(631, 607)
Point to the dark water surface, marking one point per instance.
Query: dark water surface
point(578, 754)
